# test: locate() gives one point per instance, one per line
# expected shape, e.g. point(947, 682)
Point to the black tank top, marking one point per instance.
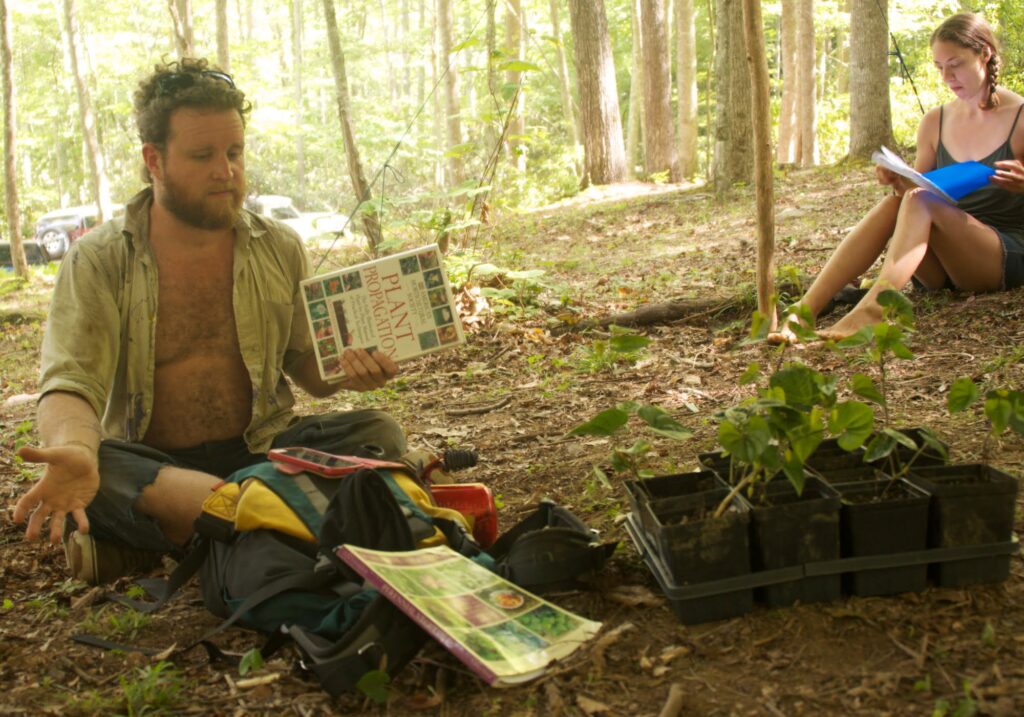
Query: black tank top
point(991, 205)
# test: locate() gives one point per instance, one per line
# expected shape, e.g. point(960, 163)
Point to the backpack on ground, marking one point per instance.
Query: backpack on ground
point(265, 557)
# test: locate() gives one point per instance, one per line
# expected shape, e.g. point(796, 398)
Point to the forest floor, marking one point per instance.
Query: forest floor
point(941, 651)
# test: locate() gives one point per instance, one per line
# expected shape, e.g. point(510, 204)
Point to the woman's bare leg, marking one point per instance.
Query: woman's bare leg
point(931, 238)
point(854, 255)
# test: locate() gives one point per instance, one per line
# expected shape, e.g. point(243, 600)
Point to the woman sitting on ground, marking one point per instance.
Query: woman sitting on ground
point(977, 245)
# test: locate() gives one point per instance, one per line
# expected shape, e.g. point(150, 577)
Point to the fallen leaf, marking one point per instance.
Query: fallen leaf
point(590, 706)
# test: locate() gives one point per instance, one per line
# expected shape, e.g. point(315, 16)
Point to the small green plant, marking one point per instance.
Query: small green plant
point(114, 622)
point(622, 346)
point(610, 421)
point(880, 344)
point(780, 427)
point(153, 690)
point(251, 660)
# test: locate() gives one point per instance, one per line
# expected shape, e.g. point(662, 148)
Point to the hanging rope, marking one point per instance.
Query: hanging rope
point(898, 54)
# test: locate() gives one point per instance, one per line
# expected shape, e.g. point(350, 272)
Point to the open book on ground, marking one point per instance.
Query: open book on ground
point(401, 304)
point(952, 182)
point(503, 633)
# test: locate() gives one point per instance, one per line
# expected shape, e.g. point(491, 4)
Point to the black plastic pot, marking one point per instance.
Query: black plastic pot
point(663, 493)
point(883, 517)
point(970, 505)
point(791, 530)
point(863, 473)
point(694, 555)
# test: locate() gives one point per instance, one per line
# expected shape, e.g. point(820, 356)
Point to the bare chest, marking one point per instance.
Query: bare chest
point(195, 311)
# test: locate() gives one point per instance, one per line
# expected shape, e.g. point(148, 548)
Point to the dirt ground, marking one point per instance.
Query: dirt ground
point(942, 651)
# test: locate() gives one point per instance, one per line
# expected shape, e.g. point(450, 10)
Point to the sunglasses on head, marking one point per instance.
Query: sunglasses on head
point(174, 81)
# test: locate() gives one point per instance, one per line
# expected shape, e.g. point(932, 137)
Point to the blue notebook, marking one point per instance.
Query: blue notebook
point(959, 180)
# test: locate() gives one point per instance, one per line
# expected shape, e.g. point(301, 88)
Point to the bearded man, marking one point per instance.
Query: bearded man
point(167, 344)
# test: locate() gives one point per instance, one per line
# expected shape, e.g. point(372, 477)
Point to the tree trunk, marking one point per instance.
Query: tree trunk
point(355, 166)
point(453, 121)
point(757, 65)
point(634, 119)
point(10, 147)
point(787, 149)
point(181, 18)
point(805, 83)
point(515, 32)
point(659, 138)
point(223, 56)
point(97, 165)
point(733, 141)
point(686, 84)
point(604, 156)
point(300, 148)
point(870, 117)
point(563, 83)
point(438, 66)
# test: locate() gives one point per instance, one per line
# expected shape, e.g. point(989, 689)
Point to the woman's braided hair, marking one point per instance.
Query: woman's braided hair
point(972, 32)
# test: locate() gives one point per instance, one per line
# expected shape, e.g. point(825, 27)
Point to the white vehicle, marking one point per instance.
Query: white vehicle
point(308, 225)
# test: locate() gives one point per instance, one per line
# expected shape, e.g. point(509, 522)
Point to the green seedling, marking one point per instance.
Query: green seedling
point(622, 347)
point(157, 689)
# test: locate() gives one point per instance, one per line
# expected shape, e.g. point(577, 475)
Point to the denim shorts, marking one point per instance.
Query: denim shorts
point(1013, 260)
point(1013, 264)
point(126, 469)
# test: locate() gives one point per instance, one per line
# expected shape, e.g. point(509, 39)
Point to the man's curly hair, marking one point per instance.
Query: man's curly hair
point(167, 90)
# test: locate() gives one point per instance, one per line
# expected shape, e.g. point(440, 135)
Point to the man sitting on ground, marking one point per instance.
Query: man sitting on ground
point(168, 340)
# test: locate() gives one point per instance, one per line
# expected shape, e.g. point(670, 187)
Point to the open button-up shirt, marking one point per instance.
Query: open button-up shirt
point(101, 330)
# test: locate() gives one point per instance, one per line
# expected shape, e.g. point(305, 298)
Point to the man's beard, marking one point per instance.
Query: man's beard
point(197, 212)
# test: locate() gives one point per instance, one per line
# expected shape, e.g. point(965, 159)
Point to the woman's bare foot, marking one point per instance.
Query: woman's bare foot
point(853, 322)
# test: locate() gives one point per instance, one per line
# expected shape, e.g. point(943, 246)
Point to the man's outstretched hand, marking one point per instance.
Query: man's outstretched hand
point(68, 485)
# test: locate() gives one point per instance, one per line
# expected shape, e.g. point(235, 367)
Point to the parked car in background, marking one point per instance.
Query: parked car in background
point(310, 226)
point(57, 229)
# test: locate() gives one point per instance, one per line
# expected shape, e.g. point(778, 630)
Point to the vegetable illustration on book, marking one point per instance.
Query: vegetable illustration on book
point(503, 633)
point(400, 304)
point(952, 182)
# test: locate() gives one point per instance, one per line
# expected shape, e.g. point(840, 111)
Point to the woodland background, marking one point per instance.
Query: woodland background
point(451, 111)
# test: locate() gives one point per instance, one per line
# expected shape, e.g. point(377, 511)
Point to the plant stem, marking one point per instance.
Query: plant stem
point(732, 494)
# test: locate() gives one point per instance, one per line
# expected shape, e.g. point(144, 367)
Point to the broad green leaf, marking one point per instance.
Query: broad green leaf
point(471, 42)
point(251, 660)
point(747, 441)
point(806, 439)
point(901, 438)
point(861, 338)
point(605, 423)
point(879, 447)
point(933, 442)
point(798, 383)
point(853, 422)
point(374, 684)
point(864, 387)
point(898, 306)
point(999, 410)
point(962, 393)
point(628, 343)
point(759, 326)
point(752, 373)
point(900, 350)
point(662, 423)
point(794, 470)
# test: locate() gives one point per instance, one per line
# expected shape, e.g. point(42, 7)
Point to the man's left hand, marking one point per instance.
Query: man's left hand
point(365, 370)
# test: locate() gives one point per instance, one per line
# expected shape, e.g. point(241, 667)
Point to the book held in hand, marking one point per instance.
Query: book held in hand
point(401, 305)
point(503, 633)
point(952, 182)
